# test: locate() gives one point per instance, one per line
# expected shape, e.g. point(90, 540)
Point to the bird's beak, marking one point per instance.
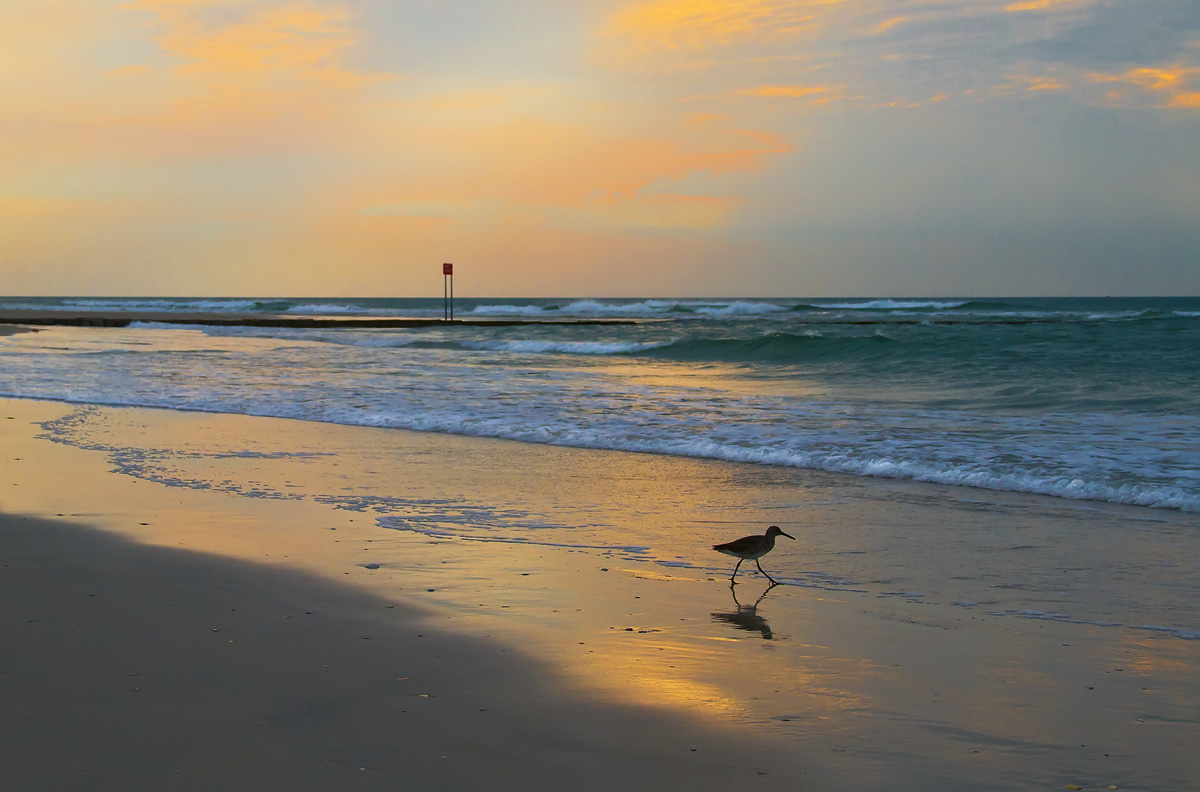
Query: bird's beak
point(789, 536)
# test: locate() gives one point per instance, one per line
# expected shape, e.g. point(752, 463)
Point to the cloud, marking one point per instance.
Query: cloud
point(1173, 86)
point(816, 94)
point(581, 163)
point(911, 53)
point(240, 69)
point(1106, 35)
point(698, 24)
point(254, 140)
point(1043, 5)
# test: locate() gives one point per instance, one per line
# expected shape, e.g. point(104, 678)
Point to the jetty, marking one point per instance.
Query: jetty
point(125, 318)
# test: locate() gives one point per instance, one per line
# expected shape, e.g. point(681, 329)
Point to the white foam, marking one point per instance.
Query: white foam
point(566, 347)
point(1178, 632)
point(647, 308)
point(740, 308)
point(163, 326)
point(314, 308)
point(597, 308)
point(357, 338)
point(164, 305)
point(892, 304)
point(529, 421)
point(510, 310)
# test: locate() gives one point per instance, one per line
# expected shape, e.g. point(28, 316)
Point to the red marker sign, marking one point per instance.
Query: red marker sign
point(447, 269)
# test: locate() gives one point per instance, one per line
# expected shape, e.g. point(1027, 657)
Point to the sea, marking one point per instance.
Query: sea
point(1093, 399)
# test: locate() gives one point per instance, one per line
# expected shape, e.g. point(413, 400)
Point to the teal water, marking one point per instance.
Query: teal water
point(1092, 398)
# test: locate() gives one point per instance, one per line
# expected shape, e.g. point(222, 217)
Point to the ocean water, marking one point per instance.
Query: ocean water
point(1085, 399)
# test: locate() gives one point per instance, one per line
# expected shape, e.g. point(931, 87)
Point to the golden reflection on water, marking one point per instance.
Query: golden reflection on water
point(745, 617)
point(713, 377)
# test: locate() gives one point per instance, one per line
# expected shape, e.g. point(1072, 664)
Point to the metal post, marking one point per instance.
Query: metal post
point(447, 292)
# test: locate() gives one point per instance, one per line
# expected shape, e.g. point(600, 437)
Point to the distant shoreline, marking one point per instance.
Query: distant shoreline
point(125, 318)
point(12, 329)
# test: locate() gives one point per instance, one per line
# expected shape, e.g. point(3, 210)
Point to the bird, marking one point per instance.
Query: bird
point(751, 547)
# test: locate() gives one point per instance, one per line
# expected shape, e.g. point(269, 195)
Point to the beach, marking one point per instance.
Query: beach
point(384, 612)
point(631, 395)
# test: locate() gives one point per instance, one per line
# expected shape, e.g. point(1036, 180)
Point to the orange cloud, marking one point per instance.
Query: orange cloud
point(788, 91)
point(1028, 83)
point(1045, 84)
point(642, 212)
point(303, 39)
point(1173, 85)
point(698, 24)
point(888, 24)
point(584, 172)
point(1042, 5)
point(815, 94)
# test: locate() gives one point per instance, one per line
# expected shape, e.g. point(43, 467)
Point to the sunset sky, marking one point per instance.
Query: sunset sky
point(600, 147)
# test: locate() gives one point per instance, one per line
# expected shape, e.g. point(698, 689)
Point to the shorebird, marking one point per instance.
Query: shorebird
point(751, 547)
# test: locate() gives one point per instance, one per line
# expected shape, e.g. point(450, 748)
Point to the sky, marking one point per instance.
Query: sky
point(600, 147)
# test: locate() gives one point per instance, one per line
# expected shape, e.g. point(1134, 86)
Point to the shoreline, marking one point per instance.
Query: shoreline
point(866, 689)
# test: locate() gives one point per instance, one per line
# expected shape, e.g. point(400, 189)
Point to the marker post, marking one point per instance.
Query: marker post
point(448, 292)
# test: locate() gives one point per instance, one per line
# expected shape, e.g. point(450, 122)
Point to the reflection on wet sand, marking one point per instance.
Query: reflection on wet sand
point(746, 616)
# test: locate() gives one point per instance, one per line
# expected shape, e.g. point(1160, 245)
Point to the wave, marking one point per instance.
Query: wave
point(159, 304)
point(884, 305)
point(811, 346)
point(385, 340)
point(511, 310)
point(741, 308)
point(566, 347)
point(173, 305)
point(273, 306)
point(863, 461)
point(870, 460)
point(641, 308)
point(372, 339)
point(182, 305)
point(319, 308)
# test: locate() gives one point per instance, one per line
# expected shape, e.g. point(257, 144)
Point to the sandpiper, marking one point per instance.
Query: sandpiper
point(752, 547)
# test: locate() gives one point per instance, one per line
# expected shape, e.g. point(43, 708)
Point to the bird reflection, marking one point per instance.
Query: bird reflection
point(746, 616)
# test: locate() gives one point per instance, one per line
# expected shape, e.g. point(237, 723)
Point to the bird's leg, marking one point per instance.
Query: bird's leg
point(763, 596)
point(760, 569)
point(735, 569)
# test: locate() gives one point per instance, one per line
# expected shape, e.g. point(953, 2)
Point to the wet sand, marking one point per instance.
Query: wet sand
point(131, 667)
point(391, 555)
